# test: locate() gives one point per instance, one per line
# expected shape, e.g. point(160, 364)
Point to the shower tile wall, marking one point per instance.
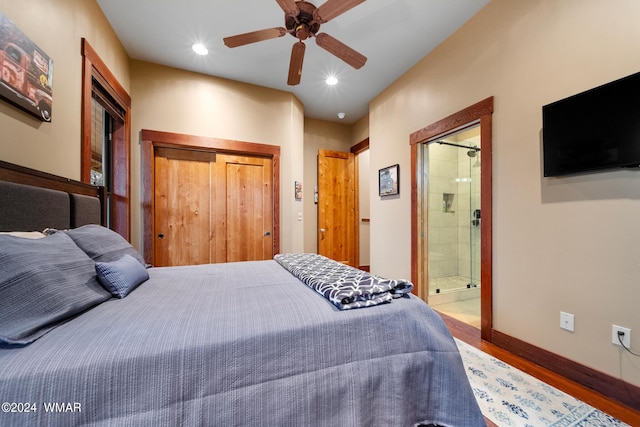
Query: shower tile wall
point(443, 221)
point(464, 220)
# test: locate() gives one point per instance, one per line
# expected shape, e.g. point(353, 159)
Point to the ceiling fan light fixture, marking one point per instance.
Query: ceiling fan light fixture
point(200, 49)
point(331, 80)
point(302, 20)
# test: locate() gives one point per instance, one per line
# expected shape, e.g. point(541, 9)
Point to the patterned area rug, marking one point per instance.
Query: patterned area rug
point(510, 397)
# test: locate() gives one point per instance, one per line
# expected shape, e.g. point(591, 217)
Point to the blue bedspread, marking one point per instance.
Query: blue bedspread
point(240, 344)
point(344, 286)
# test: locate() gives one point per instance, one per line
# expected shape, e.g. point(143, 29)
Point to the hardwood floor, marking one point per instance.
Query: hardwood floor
point(471, 335)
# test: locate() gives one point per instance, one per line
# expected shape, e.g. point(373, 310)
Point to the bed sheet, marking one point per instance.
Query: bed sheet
point(239, 344)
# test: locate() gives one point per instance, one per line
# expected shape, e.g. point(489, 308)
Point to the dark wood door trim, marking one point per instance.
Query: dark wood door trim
point(480, 112)
point(150, 139)
point(360, 146)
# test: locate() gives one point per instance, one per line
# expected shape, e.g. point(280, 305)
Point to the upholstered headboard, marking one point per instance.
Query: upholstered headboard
point(31, 200)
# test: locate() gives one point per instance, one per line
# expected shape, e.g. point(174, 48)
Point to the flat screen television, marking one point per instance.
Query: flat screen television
point(595, 129)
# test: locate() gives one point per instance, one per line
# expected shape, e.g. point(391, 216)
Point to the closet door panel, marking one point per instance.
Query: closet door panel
point(182, 201)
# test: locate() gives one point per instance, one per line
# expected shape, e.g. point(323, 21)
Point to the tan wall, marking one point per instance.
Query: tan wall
point(360, 130)
point(57, 27)
point(171, 100)
point(318, 134)
point(562, 244)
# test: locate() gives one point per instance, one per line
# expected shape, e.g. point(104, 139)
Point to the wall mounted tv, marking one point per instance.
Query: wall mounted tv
point(596, 129)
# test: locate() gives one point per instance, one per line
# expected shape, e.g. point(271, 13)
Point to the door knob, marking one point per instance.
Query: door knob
point(160, 236)
point(322, 230)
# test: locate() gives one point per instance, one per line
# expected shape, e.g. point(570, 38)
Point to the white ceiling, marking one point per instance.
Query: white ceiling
point(393, 34)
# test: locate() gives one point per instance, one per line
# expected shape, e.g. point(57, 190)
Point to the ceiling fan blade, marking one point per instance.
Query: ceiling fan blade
point(341, 50)
point(254, 36)
point(332, 8)
point(289, 7)
point(295, 66)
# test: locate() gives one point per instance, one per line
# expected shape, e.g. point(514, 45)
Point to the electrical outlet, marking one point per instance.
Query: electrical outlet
point(566, 321)
point(626, 338)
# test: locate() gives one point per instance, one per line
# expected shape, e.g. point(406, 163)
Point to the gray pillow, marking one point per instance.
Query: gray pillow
point(102, 244)
point(43, 283)
point(122, 276)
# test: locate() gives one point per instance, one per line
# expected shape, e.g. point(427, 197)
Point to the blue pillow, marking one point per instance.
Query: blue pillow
point(43, 283)
point(122, 276)
point(102, 244)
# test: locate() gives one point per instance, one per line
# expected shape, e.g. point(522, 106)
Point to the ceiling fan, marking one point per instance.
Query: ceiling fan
point(302, 20)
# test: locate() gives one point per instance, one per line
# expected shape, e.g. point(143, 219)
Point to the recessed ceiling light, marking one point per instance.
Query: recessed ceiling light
point(331, 80)
point(341, 115)
point(200, 49)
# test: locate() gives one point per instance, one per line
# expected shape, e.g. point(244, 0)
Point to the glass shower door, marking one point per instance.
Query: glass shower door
point(474, 221)
point(453, 216)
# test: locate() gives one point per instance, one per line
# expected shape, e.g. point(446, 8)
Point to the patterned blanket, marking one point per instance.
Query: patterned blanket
point(344, 286)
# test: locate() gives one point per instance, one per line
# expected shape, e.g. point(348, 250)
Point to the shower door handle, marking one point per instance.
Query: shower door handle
point(476, 218)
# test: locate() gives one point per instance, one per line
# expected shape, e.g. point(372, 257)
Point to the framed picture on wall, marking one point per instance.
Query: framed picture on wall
point(26, 72)
point(389, 181)
point(298, 190)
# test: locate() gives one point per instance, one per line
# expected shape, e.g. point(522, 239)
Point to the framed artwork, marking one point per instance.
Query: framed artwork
point(298, 190)
point(26, 72)
point(389, 180)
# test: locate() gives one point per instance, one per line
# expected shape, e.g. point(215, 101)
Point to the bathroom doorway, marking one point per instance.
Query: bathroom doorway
point(458, 206)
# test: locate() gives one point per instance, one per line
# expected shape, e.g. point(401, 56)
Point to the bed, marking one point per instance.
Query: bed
point(238, 344)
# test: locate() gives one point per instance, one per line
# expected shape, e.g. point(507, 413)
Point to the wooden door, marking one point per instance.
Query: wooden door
point(182, 213)
point(247, 206)
point(337, 206)
point(211, 208)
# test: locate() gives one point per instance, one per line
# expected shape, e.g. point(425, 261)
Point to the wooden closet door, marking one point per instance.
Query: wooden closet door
point(211, 208)
point(182, 214)
point(247, 206)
